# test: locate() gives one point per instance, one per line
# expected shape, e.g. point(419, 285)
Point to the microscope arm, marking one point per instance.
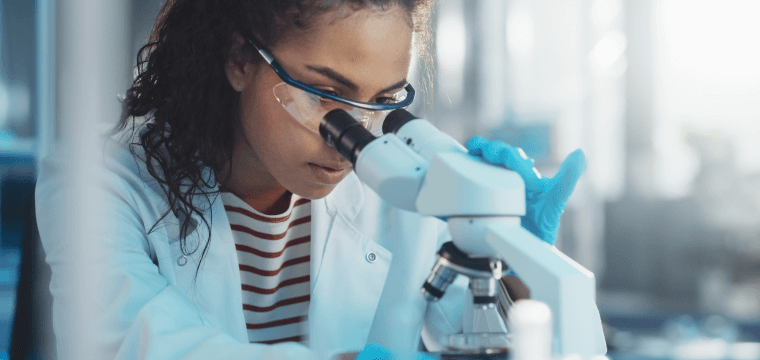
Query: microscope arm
point(557, 280)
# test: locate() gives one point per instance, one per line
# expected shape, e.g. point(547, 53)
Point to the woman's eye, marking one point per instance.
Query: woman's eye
point(329, 92)
point(385, 100)
point(325, 100)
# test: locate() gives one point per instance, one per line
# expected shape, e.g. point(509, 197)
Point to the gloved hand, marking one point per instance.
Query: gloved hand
point(545, 198)
point(377, 352)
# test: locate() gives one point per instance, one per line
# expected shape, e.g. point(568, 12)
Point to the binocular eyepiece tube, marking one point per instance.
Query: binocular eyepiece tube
point(349, 137)
point(345, 134)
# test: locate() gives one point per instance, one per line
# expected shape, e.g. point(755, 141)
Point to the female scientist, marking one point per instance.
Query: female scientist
point(233, 231)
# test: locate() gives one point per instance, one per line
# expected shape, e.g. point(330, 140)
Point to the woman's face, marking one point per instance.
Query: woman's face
point(356, 56)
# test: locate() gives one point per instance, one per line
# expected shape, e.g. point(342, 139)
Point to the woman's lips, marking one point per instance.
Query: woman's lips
point(328, 176)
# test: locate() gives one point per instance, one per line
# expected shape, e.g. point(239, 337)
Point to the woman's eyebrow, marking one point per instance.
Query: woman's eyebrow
point(395, 86)
point(332, 74)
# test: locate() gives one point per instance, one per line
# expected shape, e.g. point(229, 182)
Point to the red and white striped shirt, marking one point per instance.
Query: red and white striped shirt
point(273, 253)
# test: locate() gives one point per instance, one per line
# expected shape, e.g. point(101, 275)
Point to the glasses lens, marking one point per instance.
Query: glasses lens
point(309, 109)
point(398, 96)
point(372, 120)
point(303, 106)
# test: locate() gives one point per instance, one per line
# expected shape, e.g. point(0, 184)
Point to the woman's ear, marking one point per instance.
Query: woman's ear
point(239, 71)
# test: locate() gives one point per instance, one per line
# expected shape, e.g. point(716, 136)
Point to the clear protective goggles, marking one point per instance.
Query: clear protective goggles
point(309, 108)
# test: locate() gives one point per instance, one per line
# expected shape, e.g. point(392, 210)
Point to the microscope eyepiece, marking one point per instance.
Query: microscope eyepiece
point(396, 119)
point(345, 134)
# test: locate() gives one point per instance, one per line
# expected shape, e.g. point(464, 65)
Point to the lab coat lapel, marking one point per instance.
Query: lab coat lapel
point(346, 285)
point(220, 271)
point(347, 198)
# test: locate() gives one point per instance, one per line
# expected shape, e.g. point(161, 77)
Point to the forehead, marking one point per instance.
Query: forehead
point(367, 46)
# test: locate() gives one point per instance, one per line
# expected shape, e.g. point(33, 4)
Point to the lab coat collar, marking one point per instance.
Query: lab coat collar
point(344, 201)
point(347, 198)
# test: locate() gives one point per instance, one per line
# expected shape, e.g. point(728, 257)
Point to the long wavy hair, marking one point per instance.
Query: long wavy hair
point(181, 106)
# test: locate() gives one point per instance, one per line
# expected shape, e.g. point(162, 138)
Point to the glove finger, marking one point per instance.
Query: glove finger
point(374, 352)
point(476, 144)
point(423, 356)
point(493, 152)
point(567, 177)
point(515, 159)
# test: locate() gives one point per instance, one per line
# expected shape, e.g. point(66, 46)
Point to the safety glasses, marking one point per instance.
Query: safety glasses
point(308, 105)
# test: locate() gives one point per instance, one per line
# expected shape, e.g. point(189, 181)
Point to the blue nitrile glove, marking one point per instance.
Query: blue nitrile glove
point(377, 352)
point(545, 199)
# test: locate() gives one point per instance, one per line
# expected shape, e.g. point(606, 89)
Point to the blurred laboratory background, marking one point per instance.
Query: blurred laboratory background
point(662, 95)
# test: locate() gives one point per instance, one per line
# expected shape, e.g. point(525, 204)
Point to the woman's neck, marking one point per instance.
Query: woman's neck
point(268, 203)
point(256, 186)
point(266, 200)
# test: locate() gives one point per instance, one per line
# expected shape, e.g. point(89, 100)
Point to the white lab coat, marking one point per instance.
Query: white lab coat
point(149, 307)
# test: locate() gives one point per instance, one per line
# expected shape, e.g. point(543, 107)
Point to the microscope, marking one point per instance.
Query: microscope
point(416, 167)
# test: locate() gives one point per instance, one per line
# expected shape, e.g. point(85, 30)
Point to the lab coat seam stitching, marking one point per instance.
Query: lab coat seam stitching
point(324, 249)
point(133, 206)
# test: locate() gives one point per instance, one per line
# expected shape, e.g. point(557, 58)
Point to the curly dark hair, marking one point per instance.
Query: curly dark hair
point(187, 109)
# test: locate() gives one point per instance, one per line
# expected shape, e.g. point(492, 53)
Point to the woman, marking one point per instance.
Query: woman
point(220, 182)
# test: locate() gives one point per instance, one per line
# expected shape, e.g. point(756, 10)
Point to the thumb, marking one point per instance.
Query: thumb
point(567, 177)
point(476, 144)
point(374, 352)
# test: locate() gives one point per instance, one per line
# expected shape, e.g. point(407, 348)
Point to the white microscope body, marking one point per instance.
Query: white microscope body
point(416, 167)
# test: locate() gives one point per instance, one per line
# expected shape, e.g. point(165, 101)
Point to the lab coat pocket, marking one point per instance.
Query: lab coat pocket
point(347, 291)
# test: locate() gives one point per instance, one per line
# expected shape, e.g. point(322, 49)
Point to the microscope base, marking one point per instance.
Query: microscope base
point(477, 343)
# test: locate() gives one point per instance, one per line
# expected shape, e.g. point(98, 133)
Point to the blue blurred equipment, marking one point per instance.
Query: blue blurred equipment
point(374, 352)
point(545, 198)
point(377, 352)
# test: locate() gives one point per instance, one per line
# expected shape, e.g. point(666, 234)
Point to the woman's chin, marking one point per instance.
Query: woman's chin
point(315, 191)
